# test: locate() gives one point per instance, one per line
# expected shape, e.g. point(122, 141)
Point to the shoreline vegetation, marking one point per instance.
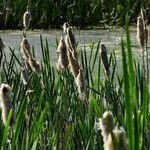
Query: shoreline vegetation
point(47, 14)
point(80, 103)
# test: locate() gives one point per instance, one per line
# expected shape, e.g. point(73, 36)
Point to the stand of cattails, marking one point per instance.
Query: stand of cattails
point(6, 104)
point(68, 57)
point(142, 37)
point(113, 137)
point(105, 62)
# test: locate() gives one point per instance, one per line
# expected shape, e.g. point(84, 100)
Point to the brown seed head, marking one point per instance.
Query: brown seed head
point(120, 137)
point(71, 39)
point(65, 26)
point(105, 60)
point(62, 55)
point(143, 14)
point(25, 49)
point(34, 64)
point(140, 31)
point(80, 82)
point(106, 124)
point(6, 105)
point(26, 18)
point(74, 65)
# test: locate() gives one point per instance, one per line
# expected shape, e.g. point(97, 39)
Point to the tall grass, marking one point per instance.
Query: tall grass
point(52, 14)
point(54, 116)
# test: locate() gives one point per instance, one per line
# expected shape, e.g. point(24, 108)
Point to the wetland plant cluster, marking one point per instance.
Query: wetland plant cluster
point(78, 103)
point(52, 14)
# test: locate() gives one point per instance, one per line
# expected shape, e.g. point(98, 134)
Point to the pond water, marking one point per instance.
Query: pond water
point(110, 37)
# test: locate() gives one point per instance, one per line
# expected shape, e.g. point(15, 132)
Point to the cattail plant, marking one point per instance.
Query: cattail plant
point(65, 26)
point(62, 55)
point(25, 75)
point(25, 49)
point(2, 46)
point(80, 82)
point(73, 63)
point(71, 39)
point(141, 36)
point(113, 137)
point(26, 18)
point(6, 104)
point(141, 31)
point(34, 64)
point(105, 60)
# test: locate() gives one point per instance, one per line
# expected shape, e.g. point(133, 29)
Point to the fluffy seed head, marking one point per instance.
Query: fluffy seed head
point(108, 144)
point(26, 18)
point(74, 65)
point(80, 82)
point(71, 39)
point(25, 49)
point(24, 75)
point(62, 55)
point(143, 14)
point(105, 60)
point(120, 137)
point(106, 124)
point(65, 26)
point(140, 31)
point(6, 105)
point(34, 64)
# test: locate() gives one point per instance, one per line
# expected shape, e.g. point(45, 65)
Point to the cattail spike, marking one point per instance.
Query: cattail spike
point(26, 18)
point(140, 31)
point(71, 39)
point(74, 65)
point(80, 82)
point(6, 104)
point(25, 49)
point(63, 61)
point(105, 60)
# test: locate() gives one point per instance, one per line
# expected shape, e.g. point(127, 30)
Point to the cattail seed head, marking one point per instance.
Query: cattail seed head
point(34, 64)
point(6, 104)
point(106, 124)
point(105, 60)
point(2, 45)
point(143, 14)
point(71, 39)
point(140, 31)
point(25, 76)
point(65, 26)
point(26, 18)
point(73, 63)
point(80, 82)
point(25, 49)
point(108, 144)
point(120, 138)
point(63, 61)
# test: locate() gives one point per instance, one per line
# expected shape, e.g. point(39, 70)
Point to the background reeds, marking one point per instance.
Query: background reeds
point(52, 14)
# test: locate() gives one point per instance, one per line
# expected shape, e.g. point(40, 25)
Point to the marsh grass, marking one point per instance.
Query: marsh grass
point(52, 14)
point(53, 116)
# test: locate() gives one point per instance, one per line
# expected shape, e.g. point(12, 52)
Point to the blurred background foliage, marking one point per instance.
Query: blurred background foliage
point(80, 13)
